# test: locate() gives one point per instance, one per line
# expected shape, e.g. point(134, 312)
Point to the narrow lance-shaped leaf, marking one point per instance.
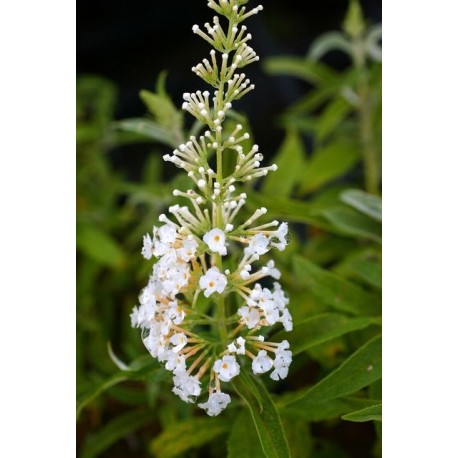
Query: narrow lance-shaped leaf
point(366, 203)
point(265, 416)
point(358, 371)
point(367, 414)
point(243, 441)
point(334, 290)
point(322, 328)
point(290, 161)
point(186, 435)
point(115, 430)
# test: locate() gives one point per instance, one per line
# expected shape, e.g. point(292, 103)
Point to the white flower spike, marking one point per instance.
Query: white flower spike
point(204, 255)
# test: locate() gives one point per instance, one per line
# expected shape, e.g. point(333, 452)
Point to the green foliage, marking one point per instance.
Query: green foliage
point(327, 188)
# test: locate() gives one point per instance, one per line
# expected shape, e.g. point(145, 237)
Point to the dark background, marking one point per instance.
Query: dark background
point(131, 42)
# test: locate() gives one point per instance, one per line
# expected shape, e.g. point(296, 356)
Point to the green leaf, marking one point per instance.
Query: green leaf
point(329, 41)
point(332, 117)
point(186, 435)
point(366, 203)
point(243, 441)
point(329, 163)
point(289, 160)
point(149, 129)
point(322, 328)
point(358, 371)
point(99, 245)
point(328, 410)
point(115, 430)
point(312, 72)
point(363, 265)
point(367, 414)
point(354, 24)
point(346, 220)
point(334, 290)
point(264, 414)
point(374, 35)
point(299, 438)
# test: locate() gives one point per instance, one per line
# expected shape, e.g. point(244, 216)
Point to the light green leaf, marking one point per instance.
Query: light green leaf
point(329, 41)
point(365, 265)
point(264, 414)
point(366, 203)
point(354, 24)
point(322, 328)
point(358, 371)
point(332, 117)
point(367, 414)
point(312, 72)
point(115, 430)
point(149, 129)
point(328, 410)
point(187, 435)
point(290, 160)
point(243, 440)
point(99, 245)
point(334, 290)
point(329, 163)
point(346, 220)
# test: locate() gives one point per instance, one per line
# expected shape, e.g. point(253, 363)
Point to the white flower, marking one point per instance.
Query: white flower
point(261, 363)
point(226, 368)
point(167, 234)
point(283, 359)
point(237, 346)
point(259, 245)
point(175, 363)
point(272, 271)
point(178, 340)
point(186, 387)
point(216, 241)
point(216, 403)
point(188, 250)
point(147, 250)
point(279, 297)
point(286, 320)
point(249, 316)
point(280, 235)
point(213, 281)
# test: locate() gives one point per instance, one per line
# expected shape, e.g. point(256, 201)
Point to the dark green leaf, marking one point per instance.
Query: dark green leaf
point(99, 245)
point(366, 203)
point(334, 290)
point(328, 410)
point(358, 371)
point(322, 328)
point(363, 265)
point(186, 435)
point(299, 438)
point(115, 430)
point(367, 414)
point(290, 160)
point(264, 414)
point(243, 440)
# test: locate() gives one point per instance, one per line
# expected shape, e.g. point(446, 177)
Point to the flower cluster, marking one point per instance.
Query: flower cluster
point(207, 275)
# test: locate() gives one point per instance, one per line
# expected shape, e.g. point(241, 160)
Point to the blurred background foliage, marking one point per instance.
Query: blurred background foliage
point(328, 188)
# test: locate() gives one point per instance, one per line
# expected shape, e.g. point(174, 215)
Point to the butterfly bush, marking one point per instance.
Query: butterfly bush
point(205, 259)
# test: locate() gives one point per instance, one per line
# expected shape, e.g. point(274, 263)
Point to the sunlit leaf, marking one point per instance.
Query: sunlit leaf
point(99, 245)
point(328, 163)
point(330, 41)
point(290, 161)
point(366, 203)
